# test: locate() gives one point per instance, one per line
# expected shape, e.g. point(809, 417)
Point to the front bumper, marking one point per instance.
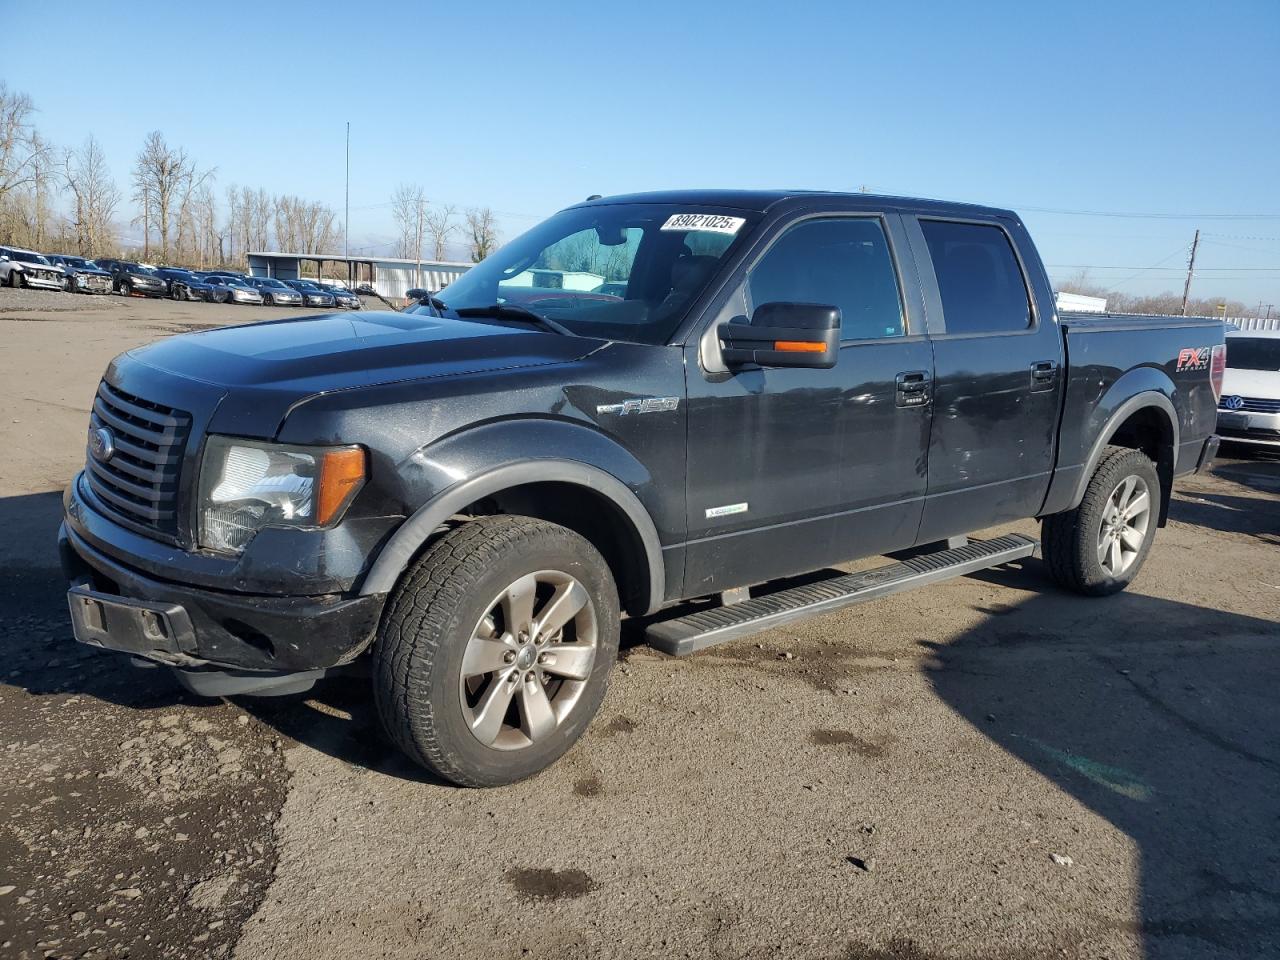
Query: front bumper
point(246, 298)
point(1250, 426)
point(117, 608)
point(91, 283)
point(39, 282)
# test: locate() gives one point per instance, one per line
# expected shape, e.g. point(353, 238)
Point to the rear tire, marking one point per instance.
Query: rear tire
point(1099, 547)
point(466, 673)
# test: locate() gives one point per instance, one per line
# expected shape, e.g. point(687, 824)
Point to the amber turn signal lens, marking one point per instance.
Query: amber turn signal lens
point(799, 346)
point(341, 475)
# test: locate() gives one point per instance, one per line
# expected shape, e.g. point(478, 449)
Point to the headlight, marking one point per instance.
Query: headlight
point(246, 485)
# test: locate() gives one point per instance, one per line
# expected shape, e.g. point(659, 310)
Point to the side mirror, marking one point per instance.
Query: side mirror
point(783, 335)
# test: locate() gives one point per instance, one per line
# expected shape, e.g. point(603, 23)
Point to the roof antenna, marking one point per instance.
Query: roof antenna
point(596, 196)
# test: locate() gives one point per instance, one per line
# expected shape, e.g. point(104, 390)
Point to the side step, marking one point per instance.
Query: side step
point(687, 635)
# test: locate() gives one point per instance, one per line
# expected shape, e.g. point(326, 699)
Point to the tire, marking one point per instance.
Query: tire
point(452, 608)
point(1099, 547)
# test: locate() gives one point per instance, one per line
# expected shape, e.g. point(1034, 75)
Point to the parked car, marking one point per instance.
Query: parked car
point(312, 295)
point(129, 277)
point(1249, 411)
point(184, 284)
point(275, 292)
point(230, 289)
point(26, 268)
point(471, 499)
point(81, 275)
point(344, 298)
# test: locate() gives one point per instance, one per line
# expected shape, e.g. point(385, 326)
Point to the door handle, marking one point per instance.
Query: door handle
point(1043, 374)
point(913, 388)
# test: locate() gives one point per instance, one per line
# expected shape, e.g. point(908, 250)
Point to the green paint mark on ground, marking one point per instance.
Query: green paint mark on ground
point(1113, 778)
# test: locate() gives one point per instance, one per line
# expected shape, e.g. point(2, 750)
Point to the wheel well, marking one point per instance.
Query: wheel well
point(1150, 431)
point(592, 516)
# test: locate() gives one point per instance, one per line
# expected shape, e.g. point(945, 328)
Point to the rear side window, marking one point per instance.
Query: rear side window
point(982, 287)
point(841, 262)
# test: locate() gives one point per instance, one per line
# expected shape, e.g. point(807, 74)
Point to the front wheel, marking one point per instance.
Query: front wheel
point(495, 649)
point(1099, 547)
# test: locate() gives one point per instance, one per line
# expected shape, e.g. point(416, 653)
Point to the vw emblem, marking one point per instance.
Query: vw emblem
point(1233, 403)
point(102, 443)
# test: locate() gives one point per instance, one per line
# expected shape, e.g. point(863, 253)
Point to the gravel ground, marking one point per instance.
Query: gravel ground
point(987, 770)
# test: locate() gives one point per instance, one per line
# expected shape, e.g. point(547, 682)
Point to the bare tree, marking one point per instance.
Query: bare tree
point(408, 207)
point(94, 194)
point(303, 226)
point(482, 233)
point(22, 151)
point(161, 175)
point(441, 227)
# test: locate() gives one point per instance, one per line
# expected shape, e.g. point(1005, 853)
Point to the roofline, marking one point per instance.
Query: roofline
point(339, 258)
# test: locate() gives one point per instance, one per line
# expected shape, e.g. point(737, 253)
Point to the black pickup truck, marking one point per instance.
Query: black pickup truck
point(643, 402)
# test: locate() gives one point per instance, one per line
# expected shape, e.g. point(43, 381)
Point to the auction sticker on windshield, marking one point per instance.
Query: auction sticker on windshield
point(710, 222)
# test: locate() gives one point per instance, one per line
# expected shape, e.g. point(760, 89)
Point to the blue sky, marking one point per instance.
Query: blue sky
point(1153, 107)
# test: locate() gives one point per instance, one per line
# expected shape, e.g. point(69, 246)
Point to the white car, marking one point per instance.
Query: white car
point(26, 268)
point(1249, 411)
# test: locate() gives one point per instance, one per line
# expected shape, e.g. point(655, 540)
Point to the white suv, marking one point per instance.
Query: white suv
point(1249, 411)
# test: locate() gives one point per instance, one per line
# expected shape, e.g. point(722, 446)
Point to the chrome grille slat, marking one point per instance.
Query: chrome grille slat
point(1254, 405)
point(139, 483)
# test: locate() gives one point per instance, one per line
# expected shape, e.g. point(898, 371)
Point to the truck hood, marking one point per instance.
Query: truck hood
point(1263, 384)
point(261, 370)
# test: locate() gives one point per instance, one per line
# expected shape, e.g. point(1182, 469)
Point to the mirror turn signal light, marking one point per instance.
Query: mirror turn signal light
point(799, 346)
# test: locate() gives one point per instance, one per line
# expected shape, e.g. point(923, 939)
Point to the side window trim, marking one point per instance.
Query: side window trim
point(934, 313)
point(744, 283)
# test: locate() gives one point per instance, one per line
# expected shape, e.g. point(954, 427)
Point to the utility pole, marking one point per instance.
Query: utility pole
point(1191, 266)
point(417, 273)
point(346, 216)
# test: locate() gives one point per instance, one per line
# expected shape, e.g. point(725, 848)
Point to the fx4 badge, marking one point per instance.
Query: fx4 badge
point(1192, 358)
point(640, 405)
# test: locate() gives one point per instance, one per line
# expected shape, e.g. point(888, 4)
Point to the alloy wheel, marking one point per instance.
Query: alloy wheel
point(1125, 521)
point(528, 659)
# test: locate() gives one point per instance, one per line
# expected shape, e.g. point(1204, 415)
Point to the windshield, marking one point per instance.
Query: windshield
point(139, 268)
point(28, 257)
point(616, 271)
point(1253, 353)
point(306, 285)
point(270, 283)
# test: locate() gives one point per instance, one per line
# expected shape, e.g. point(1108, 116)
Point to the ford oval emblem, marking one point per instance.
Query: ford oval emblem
point(1233, 403)
point(102, 444)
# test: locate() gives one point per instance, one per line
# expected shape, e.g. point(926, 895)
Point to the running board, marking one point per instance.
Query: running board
point(686, 635)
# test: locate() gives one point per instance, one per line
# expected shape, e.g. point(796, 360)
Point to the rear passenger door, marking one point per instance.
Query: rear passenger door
point(997, 374)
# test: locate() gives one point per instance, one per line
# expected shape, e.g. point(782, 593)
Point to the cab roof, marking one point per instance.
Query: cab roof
point(760, 201)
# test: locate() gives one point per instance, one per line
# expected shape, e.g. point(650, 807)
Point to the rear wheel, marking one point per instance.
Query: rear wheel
point(495, 650)
point(1099, 547)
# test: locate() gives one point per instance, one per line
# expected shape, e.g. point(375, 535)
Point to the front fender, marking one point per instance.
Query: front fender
point(450, 474)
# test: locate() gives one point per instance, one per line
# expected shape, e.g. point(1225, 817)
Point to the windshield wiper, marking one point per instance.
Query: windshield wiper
point(513, 311)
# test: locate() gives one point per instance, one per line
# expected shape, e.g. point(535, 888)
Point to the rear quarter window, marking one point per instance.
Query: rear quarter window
point(981, 284)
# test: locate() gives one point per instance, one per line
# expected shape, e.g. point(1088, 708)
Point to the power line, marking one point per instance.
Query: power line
point(1104, 266)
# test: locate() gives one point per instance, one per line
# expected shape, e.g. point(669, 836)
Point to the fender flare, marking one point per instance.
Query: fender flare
point(408, 539)
point(1140, 401)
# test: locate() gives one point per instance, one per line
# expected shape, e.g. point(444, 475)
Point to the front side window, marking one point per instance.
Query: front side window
point(840, 262)
point(982, 287)
point(625, 271)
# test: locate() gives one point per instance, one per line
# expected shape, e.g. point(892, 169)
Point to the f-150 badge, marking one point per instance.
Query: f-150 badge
point(640, 405)
point(1192, 358)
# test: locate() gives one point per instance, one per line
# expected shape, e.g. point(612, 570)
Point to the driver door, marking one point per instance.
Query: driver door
point(791, 470)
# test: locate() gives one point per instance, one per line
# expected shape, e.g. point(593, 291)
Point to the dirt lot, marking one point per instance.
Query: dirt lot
point(903, 780)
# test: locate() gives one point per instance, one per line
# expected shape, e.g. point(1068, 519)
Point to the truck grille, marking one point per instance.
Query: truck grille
point(1256, 405)
point(138, 481)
